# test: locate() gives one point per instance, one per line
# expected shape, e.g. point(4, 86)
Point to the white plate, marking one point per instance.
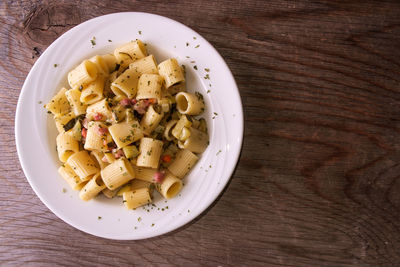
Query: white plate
point(35, 131)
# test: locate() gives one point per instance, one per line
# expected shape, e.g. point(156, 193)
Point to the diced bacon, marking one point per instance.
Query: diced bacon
point(134, 101)
point(166, 158)
point(159, 177)
point(98, 116)
point(118, 153)
point(102, 130)
point(141, 106)
point(152, 100)
point(126, 102)
point(84, 132)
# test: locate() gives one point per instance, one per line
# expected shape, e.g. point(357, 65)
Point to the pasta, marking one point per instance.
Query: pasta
point(126, 126)
point(171, 72)
point(92, 188)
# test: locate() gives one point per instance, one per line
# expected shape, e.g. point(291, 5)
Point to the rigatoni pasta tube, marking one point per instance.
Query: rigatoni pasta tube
point(149, 86)
point(83, 165)
point(66, 146)
point(74, 99)
point(92, 188)
point(109, 157)
point(83, 74)
point(130, 52)
point(70, 177)
point(124, 188)
point(170, 186)
point(117, 173)
point(59, 104)
point(145, 65)
point(109, 193)
point(93, 92)
point(151, 119)
point(190, 104)
point(96, 136)
point(101, 108)
point(126, 84)
point(138, 184)
point(180, 131)
point(101, 65)
point(125, 133)
point(168, 128)
point(144, 174)
point(110, 61)
point(62, 120)
point(197, 142)
point(136, 198)
point(150, 151)
point(171, 72)
point(99, 158)
point(184, 161)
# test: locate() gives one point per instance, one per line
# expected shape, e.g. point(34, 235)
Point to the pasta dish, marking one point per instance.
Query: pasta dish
point(127, 126)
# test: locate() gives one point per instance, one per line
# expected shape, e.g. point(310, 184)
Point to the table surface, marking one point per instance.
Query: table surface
point(317, 183)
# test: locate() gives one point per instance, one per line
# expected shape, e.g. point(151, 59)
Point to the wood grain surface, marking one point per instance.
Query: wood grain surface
point(317, 183)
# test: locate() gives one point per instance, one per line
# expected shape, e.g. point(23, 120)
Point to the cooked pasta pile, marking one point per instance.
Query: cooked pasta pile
point(126, 126)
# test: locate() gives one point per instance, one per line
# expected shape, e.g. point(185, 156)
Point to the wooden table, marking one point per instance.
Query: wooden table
point(317, 183)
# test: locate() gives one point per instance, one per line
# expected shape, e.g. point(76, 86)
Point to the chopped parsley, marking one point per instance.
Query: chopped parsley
point(109, 40)
point(93, 41)
point(139, 219)
point(187, 44)
point(207, 69)
point(40, 102)
point(197, 46)
point(64, 190)
point(99, 218)
point(140, 32)
point(199, 96)
point(194, 37)
point(195, 67)
point(219, 151)
point(208, 91)
point(55, 65)
point(152, 224)
point(207, 76)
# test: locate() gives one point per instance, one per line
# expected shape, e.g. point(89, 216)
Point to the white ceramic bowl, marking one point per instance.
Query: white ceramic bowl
point(35, 130)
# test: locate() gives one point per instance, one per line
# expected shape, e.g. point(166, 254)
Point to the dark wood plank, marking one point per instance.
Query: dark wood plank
point(317, 183)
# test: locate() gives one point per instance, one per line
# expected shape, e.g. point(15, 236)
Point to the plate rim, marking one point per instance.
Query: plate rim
point(185, 220)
